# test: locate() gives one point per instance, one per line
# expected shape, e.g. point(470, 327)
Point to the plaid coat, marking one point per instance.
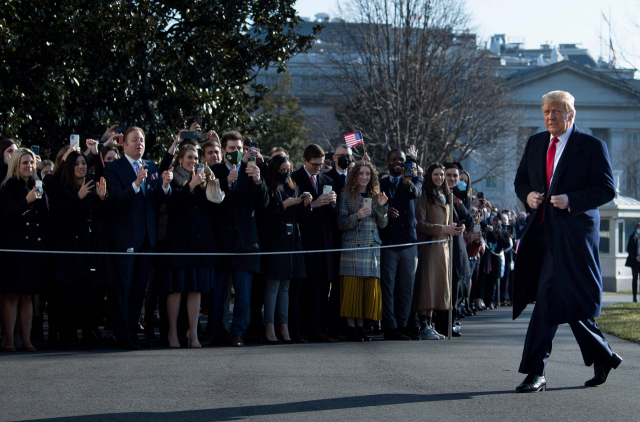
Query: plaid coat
point(364, 262)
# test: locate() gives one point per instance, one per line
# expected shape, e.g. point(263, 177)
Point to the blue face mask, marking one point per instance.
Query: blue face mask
point(488, 215)
point(638, 231)
point(462, 186)
point(522, 222)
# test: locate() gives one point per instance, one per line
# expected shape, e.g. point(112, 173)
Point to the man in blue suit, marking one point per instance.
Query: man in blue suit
point(564, 176)
point(135, 190)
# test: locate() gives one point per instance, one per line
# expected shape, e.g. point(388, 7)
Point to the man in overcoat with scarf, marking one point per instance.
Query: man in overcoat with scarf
point(564, 176)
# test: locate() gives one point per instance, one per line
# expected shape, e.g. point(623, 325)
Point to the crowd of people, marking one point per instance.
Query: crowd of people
point(218, 221)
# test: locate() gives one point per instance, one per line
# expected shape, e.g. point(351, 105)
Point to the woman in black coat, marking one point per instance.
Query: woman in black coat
point(78, 215)
point(633, 260)
point(189, 230)
point(281, 234)
point(25, 217)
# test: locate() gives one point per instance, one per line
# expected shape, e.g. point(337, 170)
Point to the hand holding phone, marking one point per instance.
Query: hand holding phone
point(74, 140)
point(35, 149)
point(408, 170)
point(367, 203)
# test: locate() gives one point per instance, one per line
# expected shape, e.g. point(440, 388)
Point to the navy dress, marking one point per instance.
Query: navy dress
point(190, 230)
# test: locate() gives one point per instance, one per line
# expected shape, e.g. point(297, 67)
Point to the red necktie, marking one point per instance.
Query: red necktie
point(315, 188)
point(551, 158)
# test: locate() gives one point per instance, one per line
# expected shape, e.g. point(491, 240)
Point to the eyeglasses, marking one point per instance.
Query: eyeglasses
point(343, 155)
point(315, 164)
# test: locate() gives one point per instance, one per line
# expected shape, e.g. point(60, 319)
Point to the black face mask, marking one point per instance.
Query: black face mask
point(522, 222)
point(343, 162)
point(283, 178)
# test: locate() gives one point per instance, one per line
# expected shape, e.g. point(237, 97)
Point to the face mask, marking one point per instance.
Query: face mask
point(462, 186)
point(522, 222)
point(488, 215)
point(283, 178)
point(343, 162)
point(638, 231)
point(234, 157)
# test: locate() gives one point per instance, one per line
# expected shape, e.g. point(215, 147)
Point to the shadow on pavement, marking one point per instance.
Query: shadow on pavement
point(235, 413)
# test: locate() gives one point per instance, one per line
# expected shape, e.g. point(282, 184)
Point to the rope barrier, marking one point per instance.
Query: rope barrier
point(217, 253)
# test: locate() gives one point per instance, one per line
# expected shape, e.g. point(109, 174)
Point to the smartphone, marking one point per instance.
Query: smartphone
point(199, 167)
point(327, 189)
point(460, 224)
point(121, 140)
point(121, 129)
point(74, 139)
point(306, 193)
point(480, 195)
point(38, 185)
point(408, 170)
point(253, 144)
point(251, 160)
point(189, 134)
point(35, 149)
point(367, 203)
point(476, 228)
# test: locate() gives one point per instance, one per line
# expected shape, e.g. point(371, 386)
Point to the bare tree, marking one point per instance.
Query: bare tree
point(408, 72)
point(630, 162)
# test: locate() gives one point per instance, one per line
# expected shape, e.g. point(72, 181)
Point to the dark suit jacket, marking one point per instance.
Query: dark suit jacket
point(237, 229)
point(317, 229)
point(134, 214)
point(402, 229)
point(583, 174)
point(632, 250)
point(338, 185)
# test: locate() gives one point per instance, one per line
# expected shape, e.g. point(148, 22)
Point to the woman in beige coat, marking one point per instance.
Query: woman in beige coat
point(432, 288)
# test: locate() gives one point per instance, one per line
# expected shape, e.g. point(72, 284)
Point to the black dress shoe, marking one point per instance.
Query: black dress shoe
point(352, 335)
point(532, 384)
point(362, 335)
point(406, 332)
point(150, 335)
point(601, 370)
point(127, 345)
point(249, 338)
point(394, 334)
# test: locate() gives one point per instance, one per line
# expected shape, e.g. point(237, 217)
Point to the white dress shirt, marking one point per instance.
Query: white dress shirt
point(563, 139)
point(136, 188)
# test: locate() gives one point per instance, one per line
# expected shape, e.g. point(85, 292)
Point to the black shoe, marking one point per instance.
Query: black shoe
point(271, 342)
point(406, 332)
point(352, 335)
point(142, 344)
point(532, 384)
point(249, 338)
point(635, 299)
point(150, 335)
point(394, 334)
point(363, 336)
point(601, 370)
point(127, 345)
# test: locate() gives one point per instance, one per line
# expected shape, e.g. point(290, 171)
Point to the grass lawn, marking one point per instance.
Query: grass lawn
point(622, 320)
point(623, 292)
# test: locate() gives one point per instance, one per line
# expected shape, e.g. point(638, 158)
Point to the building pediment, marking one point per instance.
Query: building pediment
point(588, 86)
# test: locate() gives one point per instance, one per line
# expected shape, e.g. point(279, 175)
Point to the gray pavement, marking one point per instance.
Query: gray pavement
point(468, 378)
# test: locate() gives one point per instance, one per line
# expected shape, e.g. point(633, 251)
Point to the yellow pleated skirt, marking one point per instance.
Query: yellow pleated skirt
point(360, 297)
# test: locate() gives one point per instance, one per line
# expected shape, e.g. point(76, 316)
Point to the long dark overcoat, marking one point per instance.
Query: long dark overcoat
point(583, 174)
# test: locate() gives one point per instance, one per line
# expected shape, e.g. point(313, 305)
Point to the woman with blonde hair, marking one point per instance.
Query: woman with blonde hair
point(24, 274)
point(362, 211)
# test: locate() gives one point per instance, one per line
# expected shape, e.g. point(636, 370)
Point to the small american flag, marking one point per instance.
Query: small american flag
point(353, 139)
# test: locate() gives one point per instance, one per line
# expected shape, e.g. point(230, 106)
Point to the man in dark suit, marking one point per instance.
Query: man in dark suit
point(135, 190)
point(342, 157)
point(564, 176)
point(317, 233)
point(245, 194)
point(398, 265)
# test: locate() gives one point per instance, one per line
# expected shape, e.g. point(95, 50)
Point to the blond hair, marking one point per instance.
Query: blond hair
point(14, 165)
point(561, 97)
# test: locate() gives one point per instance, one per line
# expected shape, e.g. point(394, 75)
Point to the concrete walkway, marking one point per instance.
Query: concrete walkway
point(471, 378)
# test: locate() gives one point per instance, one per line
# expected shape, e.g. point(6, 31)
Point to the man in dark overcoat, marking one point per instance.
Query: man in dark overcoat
point(564, 176)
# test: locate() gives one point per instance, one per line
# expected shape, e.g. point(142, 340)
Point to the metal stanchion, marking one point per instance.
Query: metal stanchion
point(450, 326)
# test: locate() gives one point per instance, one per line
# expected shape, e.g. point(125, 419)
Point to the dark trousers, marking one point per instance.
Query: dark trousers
point(75, 308)
point(504, 283)
point(634, 282)
point(398, 273)
point(242, 288)
point(256, 323)
point(317, 288)
point(131, 286)
point(540, 334)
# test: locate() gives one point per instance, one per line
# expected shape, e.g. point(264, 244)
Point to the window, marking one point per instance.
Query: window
point(603, 134)
point(492, 183)
point(605, 233)
point(621, 239)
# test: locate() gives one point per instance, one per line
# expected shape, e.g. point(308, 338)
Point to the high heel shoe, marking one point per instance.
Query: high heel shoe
point(28, 349)
point(9, 349)
point(363, 336)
